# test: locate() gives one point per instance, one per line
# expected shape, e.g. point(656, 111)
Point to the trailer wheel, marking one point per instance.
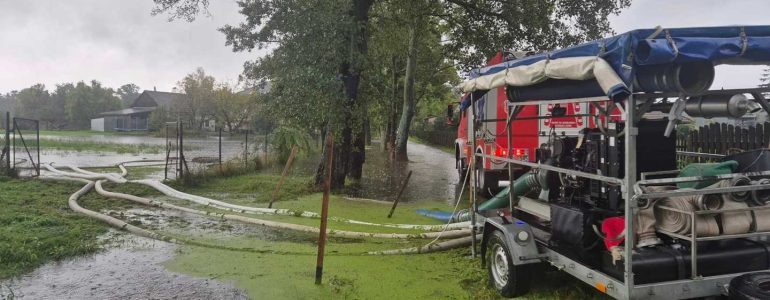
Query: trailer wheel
point(508, 279)
point(752, 286)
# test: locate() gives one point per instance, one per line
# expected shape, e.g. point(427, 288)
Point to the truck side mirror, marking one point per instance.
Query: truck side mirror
point(450, 109)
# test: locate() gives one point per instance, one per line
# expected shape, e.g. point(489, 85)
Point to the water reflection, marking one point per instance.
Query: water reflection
point(434, 177)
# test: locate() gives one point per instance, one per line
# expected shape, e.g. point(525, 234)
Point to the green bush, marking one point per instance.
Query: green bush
point(286, 137)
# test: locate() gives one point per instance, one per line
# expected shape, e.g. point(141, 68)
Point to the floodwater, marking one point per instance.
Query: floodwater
point(131, 269)
point(198, 147)
point(179, 223)
point(434, 177)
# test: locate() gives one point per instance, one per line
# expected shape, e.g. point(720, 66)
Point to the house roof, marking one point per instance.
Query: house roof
point(163, 99)
point(128, 111)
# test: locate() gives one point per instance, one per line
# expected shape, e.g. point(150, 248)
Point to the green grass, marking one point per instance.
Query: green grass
point(37, 226)
point(90, 133)
point(79, 146)
point(258, 186)
point(348, 274)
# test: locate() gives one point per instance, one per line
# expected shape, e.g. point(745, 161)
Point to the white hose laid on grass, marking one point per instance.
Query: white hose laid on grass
point(95, 176)
point(117, 223)
point(146, 233)
point(281, 225)
point(446, 245)
point(123, 172)
point(168, 191)
point(121, 225)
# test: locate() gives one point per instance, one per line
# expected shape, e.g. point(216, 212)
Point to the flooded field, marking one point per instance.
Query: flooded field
point(94, 150)
point(138, 268)
point(130, 268)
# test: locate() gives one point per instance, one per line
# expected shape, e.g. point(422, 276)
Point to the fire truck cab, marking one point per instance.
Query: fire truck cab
point(533, 127)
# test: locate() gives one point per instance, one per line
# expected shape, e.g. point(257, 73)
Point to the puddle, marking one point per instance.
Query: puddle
point(184, 224)
point(130, 269)
point(434, 177)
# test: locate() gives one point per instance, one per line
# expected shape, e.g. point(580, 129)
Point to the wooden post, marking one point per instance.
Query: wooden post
point(220, 149)
point(7, 145)
point(283, 175)
point(319, 267)
point(246, 150)
point(392, 209)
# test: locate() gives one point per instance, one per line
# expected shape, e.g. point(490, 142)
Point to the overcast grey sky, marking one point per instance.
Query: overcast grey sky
point(118, 42)
point(112, 41)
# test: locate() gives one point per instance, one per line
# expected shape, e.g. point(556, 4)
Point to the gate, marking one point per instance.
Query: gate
point(26, 145)
point(175, 161)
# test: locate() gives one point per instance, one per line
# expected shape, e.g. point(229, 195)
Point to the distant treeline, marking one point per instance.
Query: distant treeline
point(68, 105)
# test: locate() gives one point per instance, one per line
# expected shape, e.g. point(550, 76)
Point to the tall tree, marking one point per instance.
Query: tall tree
point(84, 102)
point(765, 78)
point(233, 109)
point(320, 53)
point(316, 67)
point(480, 28)
point(198, 104)
point(128, 93)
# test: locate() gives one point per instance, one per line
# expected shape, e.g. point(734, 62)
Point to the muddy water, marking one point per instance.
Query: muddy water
point(179, 223)
point(434, 177)
point(200, 147)
point(131, 269)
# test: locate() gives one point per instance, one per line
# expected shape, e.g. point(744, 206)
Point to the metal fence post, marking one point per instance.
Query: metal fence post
point(246, 151)
point(7, 144)
point(179, 145)
point(13, 144)
point(220, 149)
point(37, 167)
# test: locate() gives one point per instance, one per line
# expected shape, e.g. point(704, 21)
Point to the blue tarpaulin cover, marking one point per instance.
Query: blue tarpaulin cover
point(643, 47)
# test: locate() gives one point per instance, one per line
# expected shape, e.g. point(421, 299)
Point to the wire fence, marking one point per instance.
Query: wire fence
point(196, 153)
point(435, 133)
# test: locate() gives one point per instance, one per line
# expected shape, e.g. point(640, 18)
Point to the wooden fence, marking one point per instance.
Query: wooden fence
point(438, 138)
point(720, 139)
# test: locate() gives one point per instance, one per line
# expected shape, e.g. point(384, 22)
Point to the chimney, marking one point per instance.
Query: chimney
point(154, 89)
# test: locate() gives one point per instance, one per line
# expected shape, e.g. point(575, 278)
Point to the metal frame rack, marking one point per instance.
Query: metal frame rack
point(634, 196)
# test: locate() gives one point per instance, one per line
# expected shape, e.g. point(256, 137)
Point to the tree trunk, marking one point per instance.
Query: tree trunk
point(347, 159)
point(407, 112)
point(390, 130)
point(368, 131)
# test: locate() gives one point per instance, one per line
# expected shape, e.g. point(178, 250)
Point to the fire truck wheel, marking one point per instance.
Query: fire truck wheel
point(462, 168)
point(752, 286)
point(486, 182)
point(508, 279)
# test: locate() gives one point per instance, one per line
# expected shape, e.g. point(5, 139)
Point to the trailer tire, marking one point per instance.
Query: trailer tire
point(508, 279)
point(752, 286)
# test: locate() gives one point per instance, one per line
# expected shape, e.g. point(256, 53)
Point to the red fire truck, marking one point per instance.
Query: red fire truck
point(529, 132)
